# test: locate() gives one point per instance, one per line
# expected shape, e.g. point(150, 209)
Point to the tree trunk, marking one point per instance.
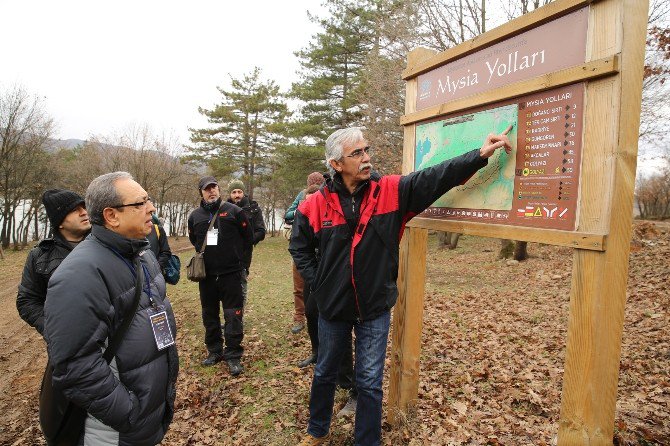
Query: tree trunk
point(521, 251)
point(506, 249)
point(448, 239)
point(453, 239)
point(36, 232)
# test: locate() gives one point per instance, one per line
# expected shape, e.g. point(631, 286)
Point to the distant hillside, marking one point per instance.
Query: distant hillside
point(55, 144)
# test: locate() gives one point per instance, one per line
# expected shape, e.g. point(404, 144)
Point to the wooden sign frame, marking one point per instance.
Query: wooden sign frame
point(612, 72)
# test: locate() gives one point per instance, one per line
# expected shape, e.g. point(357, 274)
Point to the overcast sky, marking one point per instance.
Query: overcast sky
point(104, 65)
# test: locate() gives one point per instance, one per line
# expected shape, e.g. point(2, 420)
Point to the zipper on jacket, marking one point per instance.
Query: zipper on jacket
point(353, 280)
point(353, 283)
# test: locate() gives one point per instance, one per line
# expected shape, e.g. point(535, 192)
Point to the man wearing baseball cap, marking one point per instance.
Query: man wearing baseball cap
point(225, 243)
point(70, 225)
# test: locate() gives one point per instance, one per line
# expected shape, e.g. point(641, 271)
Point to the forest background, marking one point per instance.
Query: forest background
point(350, 74)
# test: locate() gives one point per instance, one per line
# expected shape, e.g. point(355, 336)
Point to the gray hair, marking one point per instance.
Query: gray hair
point(338, 140)
point(102, 193)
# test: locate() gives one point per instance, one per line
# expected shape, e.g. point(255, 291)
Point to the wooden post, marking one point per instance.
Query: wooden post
point(598, 293)
point(408, 311)
point(407, 324)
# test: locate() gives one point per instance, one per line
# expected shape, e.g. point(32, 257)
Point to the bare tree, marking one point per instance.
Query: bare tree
point(155, 162)
point(652, 194)
point(451, 22)
point(655, 115)
point(25, 129)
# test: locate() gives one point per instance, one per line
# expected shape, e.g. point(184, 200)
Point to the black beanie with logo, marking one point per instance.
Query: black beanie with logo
point(60, 202)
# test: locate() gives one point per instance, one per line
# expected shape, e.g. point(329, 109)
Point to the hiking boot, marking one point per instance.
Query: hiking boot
point(307, 361)
point(349, 409)
point(212, 359)
point(297, 327)
point(310, 440)
point(235, 367)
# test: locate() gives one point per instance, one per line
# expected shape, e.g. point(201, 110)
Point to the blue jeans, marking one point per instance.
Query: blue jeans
point(334, 336)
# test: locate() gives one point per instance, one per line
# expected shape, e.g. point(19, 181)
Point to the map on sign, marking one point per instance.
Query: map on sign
point(490, 188)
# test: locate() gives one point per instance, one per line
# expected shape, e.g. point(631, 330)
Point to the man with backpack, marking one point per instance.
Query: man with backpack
point(158, 241)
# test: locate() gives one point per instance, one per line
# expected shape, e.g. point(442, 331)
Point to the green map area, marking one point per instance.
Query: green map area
point(491, 187)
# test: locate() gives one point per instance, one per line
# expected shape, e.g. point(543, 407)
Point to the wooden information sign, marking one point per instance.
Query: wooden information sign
point(569, 79)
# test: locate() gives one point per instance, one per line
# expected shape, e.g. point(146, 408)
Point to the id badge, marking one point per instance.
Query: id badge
point(161, 327)
point(213, 237)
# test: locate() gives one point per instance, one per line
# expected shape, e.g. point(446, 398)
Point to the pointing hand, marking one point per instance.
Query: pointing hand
point(494, 142)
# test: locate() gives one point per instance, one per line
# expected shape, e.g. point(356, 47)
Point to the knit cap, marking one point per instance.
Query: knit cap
point(314, 178)
point(235, 184)
point(60, 202)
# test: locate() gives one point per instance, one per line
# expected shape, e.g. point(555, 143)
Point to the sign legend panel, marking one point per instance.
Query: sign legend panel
point(542, 190)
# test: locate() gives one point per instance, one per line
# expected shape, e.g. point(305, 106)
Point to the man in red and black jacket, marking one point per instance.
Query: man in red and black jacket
point(356, 221)
point(226, 243)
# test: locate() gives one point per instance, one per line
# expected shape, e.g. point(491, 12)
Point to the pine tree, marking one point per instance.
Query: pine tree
point(330, 75)
point(246, 128)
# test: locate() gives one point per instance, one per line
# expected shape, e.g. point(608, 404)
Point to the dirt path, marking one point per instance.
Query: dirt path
point(22, 360)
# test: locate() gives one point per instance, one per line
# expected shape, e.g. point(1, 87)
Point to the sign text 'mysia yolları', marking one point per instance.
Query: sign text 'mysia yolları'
point(547, 48)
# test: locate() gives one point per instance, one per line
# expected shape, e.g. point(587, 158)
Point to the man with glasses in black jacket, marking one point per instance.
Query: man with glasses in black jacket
point(129, 398)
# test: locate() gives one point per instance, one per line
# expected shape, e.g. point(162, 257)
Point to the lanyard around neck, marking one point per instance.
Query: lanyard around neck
point(147, 281)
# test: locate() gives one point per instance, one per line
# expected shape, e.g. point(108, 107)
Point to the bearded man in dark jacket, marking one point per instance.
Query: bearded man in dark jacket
point(356, 222)
point(226, 243)
point(130, 400)
point(69, 224)
point(255, 216)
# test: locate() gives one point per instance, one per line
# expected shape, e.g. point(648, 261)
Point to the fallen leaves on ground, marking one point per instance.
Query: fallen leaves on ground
point(493, 349)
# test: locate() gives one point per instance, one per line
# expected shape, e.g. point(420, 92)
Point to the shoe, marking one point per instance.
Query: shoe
point(297, 327)
point(349, 409)
point(235, 367)
point(310, 440)
point(212, 359)
point(307, 361)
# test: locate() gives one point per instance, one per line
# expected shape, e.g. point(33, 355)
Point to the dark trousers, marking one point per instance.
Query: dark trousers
point(334, 337)
point(345, 374)
point(223, 290)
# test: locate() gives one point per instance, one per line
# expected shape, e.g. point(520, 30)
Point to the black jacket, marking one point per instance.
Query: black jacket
point(41, 263)
point(159, 245)
point(88, 295)
point(235, 236)
point(255, 216)
point(358, 235)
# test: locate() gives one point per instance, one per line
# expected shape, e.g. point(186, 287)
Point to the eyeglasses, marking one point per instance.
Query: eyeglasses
point(359, 152)
point(138, 205)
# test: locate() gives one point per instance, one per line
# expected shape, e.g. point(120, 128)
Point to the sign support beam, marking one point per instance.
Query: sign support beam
point(598, 293)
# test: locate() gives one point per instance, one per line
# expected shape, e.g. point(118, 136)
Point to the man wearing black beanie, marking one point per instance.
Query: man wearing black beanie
point(70, 225)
